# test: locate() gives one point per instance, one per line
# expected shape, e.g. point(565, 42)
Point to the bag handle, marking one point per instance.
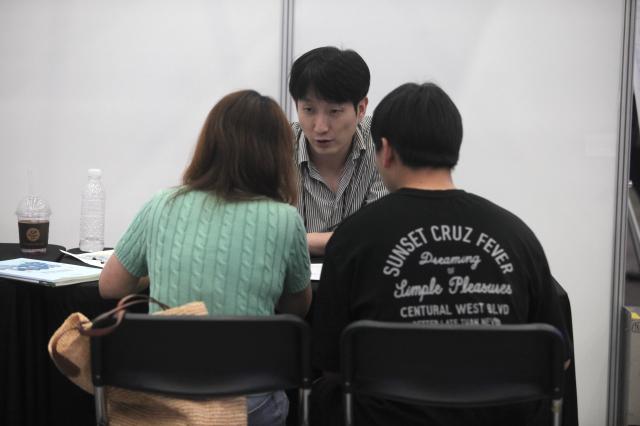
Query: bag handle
point(86, 328)
point(117, 313)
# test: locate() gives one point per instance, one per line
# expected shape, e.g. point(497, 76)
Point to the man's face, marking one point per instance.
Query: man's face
point(329, 126)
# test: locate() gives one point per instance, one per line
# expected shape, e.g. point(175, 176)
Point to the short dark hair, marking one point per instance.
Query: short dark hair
point(331, 74)
point(245, 151)
point(421, 123)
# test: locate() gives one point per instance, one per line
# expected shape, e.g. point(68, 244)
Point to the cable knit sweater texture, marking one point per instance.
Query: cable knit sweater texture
point(236, 257)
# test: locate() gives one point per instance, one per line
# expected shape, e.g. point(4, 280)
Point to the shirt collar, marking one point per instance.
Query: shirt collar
point(358, 145)
point(303, 154)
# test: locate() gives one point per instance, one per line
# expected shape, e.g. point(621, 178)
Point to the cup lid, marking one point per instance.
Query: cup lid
point(33, 207)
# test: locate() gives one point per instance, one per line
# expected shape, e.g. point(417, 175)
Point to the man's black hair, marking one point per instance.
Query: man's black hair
point(421, 123)
point(331, 74)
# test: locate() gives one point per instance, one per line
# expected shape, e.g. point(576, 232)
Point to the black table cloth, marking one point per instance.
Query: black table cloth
point(32, 390)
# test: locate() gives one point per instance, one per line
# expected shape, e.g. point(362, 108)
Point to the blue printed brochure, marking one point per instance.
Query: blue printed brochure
point(47, 273)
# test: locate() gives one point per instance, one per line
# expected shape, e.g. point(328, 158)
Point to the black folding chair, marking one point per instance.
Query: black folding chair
point(453, 366)
point(198, 356)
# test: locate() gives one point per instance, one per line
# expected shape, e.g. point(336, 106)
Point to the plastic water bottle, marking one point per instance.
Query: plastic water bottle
point(92, 213)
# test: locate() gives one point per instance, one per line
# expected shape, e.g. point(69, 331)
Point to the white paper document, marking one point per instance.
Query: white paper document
point(316, 269)
point(96, 258)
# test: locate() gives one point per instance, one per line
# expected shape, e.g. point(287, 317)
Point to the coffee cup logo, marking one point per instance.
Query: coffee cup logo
point(33, 234)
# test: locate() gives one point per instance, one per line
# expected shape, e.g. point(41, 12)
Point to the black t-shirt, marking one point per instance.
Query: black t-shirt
point(432, 257)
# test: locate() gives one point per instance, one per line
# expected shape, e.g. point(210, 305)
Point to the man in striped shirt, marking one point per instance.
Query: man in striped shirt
point(335, 152)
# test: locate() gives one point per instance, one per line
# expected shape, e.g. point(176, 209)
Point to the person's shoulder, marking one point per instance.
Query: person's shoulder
point(179, 194)
point(162, 196)
point(155, 204)
point(279, 208)
point(365, 128)
point(360, 231)
point(165, 193)
point(369, 215)
point(366, 122)
point(484, 203)
point(281, 217)
point(285, 208)
point(506, 218)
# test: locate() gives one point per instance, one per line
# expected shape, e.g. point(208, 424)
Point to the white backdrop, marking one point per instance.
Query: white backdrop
point(125, 85)
point(537, 84)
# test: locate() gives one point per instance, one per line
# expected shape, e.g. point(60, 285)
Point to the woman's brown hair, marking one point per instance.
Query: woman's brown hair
point(245, 150)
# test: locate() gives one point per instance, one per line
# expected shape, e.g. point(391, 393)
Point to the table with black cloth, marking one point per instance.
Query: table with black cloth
point(32, 390)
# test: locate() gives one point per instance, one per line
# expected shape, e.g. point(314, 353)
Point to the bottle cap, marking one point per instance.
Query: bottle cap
point(95, 172)
point(33, 207)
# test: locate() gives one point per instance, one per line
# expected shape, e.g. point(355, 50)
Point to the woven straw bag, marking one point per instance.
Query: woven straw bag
point(69, 348)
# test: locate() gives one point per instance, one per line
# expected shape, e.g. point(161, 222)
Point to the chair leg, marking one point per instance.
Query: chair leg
point(556, 409)
point(303, 413)
point(101, 406)
point(348, 409)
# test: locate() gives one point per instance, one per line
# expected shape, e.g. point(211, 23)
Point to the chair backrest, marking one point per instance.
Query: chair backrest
point(455, 366)
point(195, 356)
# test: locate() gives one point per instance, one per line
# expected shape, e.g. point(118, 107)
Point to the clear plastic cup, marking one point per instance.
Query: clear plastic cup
point(33, 224)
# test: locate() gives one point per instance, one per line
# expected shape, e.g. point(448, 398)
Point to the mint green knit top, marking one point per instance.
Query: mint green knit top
point(236, 257)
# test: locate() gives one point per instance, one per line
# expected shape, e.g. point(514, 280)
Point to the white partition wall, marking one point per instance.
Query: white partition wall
point(121, 85)
point(538, 87)
point(125, 85)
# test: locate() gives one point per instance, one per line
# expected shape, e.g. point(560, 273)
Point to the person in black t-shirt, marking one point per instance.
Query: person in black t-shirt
point(439, 255)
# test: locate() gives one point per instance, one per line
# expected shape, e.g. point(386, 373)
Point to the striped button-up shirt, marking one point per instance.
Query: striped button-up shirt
point(360, 183)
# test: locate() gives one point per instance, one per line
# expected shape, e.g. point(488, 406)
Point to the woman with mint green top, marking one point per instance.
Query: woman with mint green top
point(230, 236)
point(237, 257)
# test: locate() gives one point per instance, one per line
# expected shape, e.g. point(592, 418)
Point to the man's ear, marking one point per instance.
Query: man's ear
point(362, 108)
point(387, 152)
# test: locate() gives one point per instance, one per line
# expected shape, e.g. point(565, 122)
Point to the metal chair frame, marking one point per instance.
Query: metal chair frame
point(430, 365)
